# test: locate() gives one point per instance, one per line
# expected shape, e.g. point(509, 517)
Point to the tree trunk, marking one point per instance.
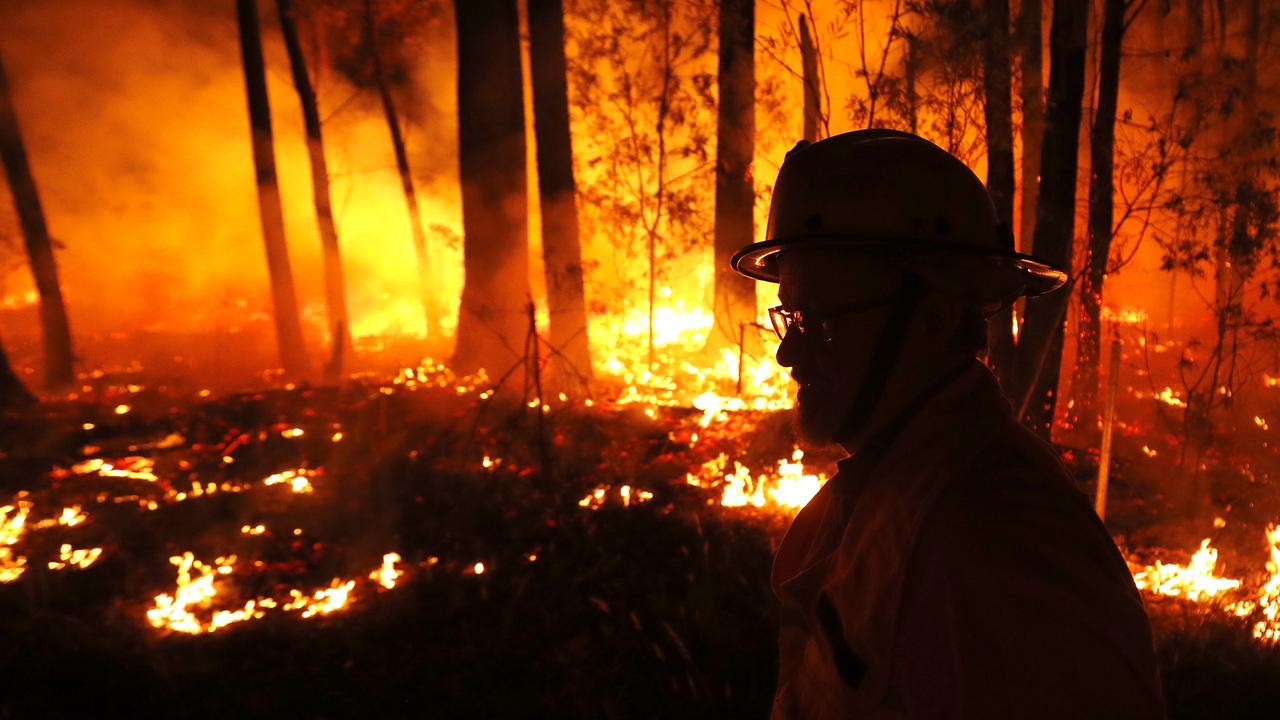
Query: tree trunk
point(1032, 51)
point(13, 394)
point(557, 192)
point(491, 148)
point(1084, 384)
point(997, 88)
point(334, 291)
point(809, 69)
point(910, 77)
point(428, 294)
point(1036, 367)
point(293, 354)
point(735, 295)
point(35, 232)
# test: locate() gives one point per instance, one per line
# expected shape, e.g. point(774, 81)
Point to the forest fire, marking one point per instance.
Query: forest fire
point(285, 284)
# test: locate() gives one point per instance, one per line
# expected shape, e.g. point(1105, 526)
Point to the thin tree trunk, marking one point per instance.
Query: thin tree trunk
point(334, 291)
point(1036, 368)
point(293, 353)
point(1253, 155)
point(429, 294)
point(1084, 384)
point(911, 74)
point(1032, 61)
point(735, 295)
point(809, 69)
point(997, 88)
point(561, 247)
point(491, 147)
point(13, 393)
point(58, 356)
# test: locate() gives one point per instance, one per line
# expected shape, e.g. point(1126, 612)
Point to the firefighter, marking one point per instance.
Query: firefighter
point(950, 569)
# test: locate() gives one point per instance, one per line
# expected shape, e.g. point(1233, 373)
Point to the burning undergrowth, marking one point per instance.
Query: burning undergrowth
point(392, 543)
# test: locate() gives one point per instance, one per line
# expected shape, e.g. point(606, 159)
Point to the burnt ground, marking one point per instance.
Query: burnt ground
point(655, 609)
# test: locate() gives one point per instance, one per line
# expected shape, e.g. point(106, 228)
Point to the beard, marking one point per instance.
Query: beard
point(819, 414)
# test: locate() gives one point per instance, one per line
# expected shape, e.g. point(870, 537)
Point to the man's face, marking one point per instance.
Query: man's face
point(830, 359)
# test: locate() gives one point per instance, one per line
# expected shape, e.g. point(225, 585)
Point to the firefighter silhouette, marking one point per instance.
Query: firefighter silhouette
point(950, 569)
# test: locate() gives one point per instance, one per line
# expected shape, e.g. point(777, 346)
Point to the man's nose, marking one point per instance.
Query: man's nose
point(789, 349)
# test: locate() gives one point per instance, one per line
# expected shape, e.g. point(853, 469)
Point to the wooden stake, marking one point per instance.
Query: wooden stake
point(1108, 425)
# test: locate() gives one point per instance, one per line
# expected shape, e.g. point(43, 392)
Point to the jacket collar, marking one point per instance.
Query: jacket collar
point(880, 495)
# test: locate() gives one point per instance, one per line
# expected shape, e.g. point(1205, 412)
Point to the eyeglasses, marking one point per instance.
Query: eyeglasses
point(784, 320)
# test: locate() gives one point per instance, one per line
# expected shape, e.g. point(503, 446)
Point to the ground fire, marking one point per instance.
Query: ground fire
point(366, 355)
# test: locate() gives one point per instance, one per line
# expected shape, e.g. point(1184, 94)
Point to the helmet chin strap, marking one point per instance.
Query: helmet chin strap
point(889, 347)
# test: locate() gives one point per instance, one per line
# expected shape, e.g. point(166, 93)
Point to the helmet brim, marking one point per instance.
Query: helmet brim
point(986, 277)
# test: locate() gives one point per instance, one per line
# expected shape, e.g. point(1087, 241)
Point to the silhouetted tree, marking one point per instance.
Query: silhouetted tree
point(1036, 367)
point(293, 354)
point(492, 325)
point(557, 193)
point(814, 121)
point(334, 287)
point(1031, 64)
point(13, 393)
point(35, 232)
point(735, 296)
point(997, 90)
point(1084, 386)
point(428, 294)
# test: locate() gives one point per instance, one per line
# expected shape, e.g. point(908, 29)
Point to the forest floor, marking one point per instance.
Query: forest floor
point(557, 568)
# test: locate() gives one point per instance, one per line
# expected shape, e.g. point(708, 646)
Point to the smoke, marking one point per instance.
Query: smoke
point(135, 120)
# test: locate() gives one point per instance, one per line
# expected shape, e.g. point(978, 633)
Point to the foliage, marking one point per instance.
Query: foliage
point(641, 87)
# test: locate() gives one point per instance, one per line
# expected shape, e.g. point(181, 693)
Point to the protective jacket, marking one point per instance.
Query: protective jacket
point(954, 571)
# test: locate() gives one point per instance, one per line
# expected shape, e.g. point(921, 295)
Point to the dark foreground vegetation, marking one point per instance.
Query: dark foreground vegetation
point(651, 609)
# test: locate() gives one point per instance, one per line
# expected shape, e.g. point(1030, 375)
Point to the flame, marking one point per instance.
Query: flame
point(1267, 602)
point(789, 488)
point(13, 521)
point(627, 495)
point(199, 584)
point(132, 467)
point(323, 601)
point(298, 480)
point(81, 559)
point(72, 516)
point(173, 612)
point(387, 574)
point(1124, 316)
point(1169, 397)
point(1194, 581)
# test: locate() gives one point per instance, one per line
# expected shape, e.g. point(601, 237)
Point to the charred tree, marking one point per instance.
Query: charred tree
point(1084, 383)
point(911, 80)
point(293, 353)
point(735, 295)
point(1031, 55)
point(429, 294)
point(1036, 367)
point(997, 89)
point(557, 192)
point(809, 68)
point(491, 148)
point(334, 291)
point(13, 393)
point(58, 357)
